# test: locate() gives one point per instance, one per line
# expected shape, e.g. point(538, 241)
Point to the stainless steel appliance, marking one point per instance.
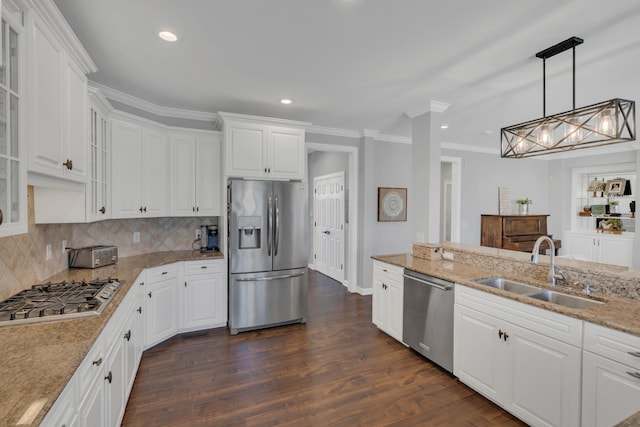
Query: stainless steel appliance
point(93, 256)
point(268, 247)
point(57, 301)
point(428, 317)
point(209, 238)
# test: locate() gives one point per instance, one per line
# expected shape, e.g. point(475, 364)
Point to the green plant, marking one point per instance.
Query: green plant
point(525, 201)
point(613, 203)
point(613, 224)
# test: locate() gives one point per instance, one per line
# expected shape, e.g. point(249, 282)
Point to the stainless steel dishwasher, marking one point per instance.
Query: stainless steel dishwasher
point(428, 317)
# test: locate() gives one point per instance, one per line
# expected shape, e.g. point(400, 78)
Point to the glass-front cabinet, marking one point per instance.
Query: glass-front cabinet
point(98, 194)
point(13, 215)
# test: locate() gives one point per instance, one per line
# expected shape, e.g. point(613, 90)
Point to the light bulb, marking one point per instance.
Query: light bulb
point(544, 136)
point(606, 121)
point(572, 131)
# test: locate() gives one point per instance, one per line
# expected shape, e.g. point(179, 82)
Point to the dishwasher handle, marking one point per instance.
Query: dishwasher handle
point(442, 287)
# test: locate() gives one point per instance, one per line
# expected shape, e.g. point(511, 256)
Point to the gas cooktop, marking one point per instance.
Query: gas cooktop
point(57, 301)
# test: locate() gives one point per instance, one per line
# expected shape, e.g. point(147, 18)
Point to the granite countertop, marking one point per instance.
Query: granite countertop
point(39, 359)
point(616, 313)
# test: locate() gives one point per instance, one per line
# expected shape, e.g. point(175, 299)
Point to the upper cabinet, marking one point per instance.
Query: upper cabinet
point(140, 165)
point(263, 148)
point(195, 173)
point(13, 179)
point(58, 97)
point(98, 198)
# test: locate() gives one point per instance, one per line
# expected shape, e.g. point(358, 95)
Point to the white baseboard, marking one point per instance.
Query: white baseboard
point(311, 266)
point(365, 291)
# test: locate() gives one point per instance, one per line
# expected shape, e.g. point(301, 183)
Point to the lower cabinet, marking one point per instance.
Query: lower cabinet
point(204, 298)
point(161, 308)
point(388, 295)
point(514, 355)
point(610, 376)
point(598, 247)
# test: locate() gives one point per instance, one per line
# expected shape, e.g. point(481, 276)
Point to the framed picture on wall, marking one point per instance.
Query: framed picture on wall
point(392, 204)
point(615, 187)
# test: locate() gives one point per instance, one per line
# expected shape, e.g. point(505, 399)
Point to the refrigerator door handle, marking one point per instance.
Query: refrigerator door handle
point(264, 279)
point(269, 225)
point(276, 230)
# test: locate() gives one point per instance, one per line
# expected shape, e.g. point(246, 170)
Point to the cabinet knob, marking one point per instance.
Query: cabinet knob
point(97, 362)
point(269, 170)
point(68, 164)
point(204, 266)
point(102, 210)
point(1, 216)
point(265, 170)
point(141, 283)
point(505, 337)
point(139, 310)
point(149, 294)
point(145, 209)
point(500, 333)
point(127, 336)
point(109, 377)
point(193, 208)
point(197, 209)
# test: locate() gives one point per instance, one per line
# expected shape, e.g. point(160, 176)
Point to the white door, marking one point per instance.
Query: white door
point(329, 225)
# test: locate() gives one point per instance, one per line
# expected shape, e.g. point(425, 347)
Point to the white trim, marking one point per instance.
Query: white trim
point(100, 100)
point(351, 259)
point(325, 130)
point(370, 133)
point(394, 138)
point(434, 106)
point(149, 107)
point(456, 195)
point(364, 291)
point(311, 266)
point(268, 120)
point(465, 147)
point(117, 114)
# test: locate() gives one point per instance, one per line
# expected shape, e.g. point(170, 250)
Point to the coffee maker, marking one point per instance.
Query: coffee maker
point(209, 238)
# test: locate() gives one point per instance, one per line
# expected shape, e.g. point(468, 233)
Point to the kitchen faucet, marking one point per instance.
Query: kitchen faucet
point(535, 257)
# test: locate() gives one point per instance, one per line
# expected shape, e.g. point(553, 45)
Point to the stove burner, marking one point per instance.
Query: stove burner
point(54, 301)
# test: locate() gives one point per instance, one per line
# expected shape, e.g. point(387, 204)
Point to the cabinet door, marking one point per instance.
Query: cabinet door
point(542, 378)
point(394, 296)
point(126, 173)
point(208, 176)
point(161, 319)
point(204, 306)
point(379, 310)
point(116, 380)
point(478, 351)
point(99, 166)
point(155, 173)
point(286, 153)
point(245, 148)
point(47, 105)
point(610, 391)
point(615, 250)
point(75, 140)
point(183, 175)
point(93, 410)
point(580, 246)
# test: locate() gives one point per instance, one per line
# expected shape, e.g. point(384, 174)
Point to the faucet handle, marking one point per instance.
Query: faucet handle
point(587, 289)
point(559, 275)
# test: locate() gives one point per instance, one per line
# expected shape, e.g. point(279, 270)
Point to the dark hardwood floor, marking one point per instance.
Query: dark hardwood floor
point(336, 370)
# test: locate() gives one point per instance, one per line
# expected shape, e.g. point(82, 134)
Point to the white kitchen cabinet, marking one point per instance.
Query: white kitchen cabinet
point(610, 376)
point(264, 148)
point(523, 358)
point(98, 189)
point(140, 165)
point(195, 174)
point(388, 295)
point(599, 247)
point(204, 295)
point(161, 303)
point(57, 103)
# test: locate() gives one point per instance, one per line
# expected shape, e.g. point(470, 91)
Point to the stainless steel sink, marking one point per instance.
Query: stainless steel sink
point(564, 299)
point(508, 285)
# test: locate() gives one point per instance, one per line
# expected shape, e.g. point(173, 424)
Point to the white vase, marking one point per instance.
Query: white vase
point(523, 209)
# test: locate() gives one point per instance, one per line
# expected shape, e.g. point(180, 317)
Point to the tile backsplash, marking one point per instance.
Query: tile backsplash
point(23, 257)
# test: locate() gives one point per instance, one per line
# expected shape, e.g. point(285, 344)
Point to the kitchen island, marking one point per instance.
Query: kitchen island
point(39, 359)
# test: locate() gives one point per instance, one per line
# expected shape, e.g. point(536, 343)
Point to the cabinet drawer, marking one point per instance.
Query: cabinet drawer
point(169, 271)
point(91, 367)
point(524, 225)
point(202, 267)
point(615, 345)
point(387, 271)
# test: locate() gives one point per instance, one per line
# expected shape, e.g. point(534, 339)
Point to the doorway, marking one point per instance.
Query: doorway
point(329, 225)
point(450, 203)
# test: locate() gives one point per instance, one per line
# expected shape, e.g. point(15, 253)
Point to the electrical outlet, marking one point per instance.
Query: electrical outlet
point(64, 246)
point(447, 255)
point(49, 254)
point(198, 233)
point(136, 237)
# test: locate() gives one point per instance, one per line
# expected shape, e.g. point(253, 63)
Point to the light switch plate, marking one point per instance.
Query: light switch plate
point(136, 237)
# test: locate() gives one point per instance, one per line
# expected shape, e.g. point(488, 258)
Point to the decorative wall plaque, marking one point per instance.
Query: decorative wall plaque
point(392, 204)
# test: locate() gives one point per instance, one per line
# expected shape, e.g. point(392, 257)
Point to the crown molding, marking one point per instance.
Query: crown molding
point(152, 108)
point(434, 106)
point(471, 148)
point(50, 14)
point(370, 133)
point(329, 131)
point(268, 120)
point(394, 138)
point(101, 101)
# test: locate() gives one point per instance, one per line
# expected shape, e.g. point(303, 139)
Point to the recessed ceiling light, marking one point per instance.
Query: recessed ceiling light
point(167, 36)
point(444, 126)
point(286, 101)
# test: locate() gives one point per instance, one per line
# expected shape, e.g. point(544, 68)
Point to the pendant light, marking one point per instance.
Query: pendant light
point(604, 123)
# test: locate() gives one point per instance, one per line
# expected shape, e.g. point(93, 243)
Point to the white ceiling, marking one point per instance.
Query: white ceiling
point(364, 64)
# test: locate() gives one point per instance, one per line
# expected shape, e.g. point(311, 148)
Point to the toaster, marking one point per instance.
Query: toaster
point(93, 256)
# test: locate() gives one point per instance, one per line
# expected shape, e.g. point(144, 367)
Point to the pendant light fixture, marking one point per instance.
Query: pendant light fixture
point(604, 123)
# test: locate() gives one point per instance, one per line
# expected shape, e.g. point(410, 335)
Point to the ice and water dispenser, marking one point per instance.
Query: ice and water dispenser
point(249, 232)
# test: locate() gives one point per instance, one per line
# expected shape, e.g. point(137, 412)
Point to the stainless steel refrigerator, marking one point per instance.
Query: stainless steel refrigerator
point(267, 247)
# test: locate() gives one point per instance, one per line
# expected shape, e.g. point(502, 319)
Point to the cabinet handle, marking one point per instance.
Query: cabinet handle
point(635, 353)
point(193, 208)
point(139, 310)
point(127, 336)
point(68, 164)
point(102, 210)
point(164, 272)
point(97, 362)
point(197, 208)
point(185, 283)
point(140, 209)
point(505, 337)
point(145, 209)
point(265, 170)
point(149, 294)
point(109, 377)
point(269, 170)
point(634, 374)
point(384, 269)
point(500, 333)
point(141, 283)
point(204, 266)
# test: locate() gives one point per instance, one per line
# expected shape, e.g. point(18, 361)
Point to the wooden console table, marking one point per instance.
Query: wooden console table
point(515, 232)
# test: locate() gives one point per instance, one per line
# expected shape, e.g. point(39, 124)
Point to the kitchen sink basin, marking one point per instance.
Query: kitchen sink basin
point(508, 285)
point(564, 299)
